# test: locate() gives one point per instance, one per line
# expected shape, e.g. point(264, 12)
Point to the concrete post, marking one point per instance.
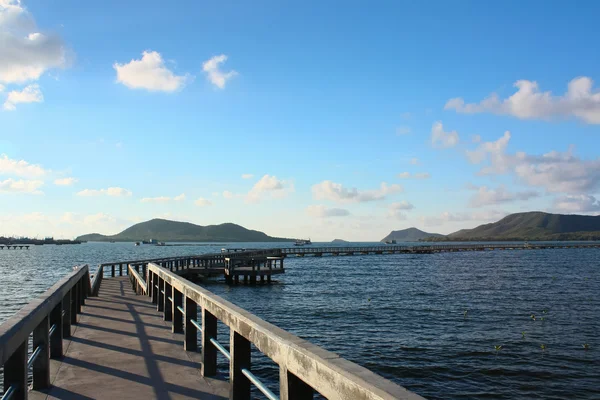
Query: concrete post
point(41, 366)
point(82, 290)
point(160, 302)
point(209, 351)
point(293, 388)
point(177, 317)
point(113, 270)
point(120, 269)
point(191, 332)
point(66, 306)
point(78, 297)
point(56, 341)
point(15, 372)
point(153, 283)
point(73, 304)
point(168, 315)
point(239, 388)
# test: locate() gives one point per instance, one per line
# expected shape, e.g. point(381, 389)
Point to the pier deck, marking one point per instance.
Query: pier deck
point(121, 348)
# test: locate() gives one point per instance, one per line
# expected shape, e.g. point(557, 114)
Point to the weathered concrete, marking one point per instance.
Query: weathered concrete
point(121, 348)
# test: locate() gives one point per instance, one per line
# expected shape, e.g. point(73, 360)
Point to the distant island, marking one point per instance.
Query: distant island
point(38, 242)
point(339, 241)
point(533, 226)
point(410, 235)
point(164, 230)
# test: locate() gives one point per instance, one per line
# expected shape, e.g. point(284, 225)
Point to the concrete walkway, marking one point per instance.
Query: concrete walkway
point(122, 349)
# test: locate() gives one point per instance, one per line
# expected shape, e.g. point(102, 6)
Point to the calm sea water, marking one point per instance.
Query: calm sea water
point(403, 316)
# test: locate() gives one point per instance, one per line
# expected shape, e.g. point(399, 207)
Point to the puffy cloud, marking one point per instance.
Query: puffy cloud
point(201, 202)
point(213, 72)
point(25, 53)
point(441, 138)
point(21, 186)
point(580, 101)
point(395, 210)
point(418, 175)
point(486, 196)
point(403, 130)
point(414, 161)
point(149, 73)
point(29, 94)
point(111, 191)
point(328, 190)
point(163, 199)
point(269, 185)
point(228, 195)
point(576, 203)
point(557, 172)
point(20, 168)
point(65, 181)
point(321, 211)
point(247, 176)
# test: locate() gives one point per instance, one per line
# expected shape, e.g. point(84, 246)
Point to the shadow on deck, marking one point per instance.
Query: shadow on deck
point(122, 348)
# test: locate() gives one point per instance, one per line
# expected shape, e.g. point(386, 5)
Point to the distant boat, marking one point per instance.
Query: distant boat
point(112, 241)
point(302, 242)
point(151, 241)
point(137, 243)
point(393, 241)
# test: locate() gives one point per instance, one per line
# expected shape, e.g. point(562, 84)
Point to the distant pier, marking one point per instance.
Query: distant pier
point(14, 246)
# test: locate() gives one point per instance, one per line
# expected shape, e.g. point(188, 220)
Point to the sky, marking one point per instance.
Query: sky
point(308, 119)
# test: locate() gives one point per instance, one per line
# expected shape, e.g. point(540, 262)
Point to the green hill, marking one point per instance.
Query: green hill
point(534, 225)
point(410, 235)
point(173, 231)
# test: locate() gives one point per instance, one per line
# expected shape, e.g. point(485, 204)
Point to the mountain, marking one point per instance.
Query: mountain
point(534, 225)
point(339, 241)
point(173, 231)
point(410, 235)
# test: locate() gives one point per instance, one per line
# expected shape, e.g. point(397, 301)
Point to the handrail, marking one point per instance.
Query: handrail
point(304, 366)
point(139, 284)
point(49, 317)
point(97, 280)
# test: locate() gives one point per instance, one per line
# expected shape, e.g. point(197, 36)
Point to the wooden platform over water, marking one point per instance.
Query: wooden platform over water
point(122, 349)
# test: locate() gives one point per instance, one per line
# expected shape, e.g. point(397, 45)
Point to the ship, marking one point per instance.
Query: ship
point(393, 241)
point(302, 242)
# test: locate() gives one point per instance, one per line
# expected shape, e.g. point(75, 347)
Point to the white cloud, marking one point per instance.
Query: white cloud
point(29, 94)
point(163, 199)
point(418, 175)
point(65, 181)
point(214, 74)
point(1, 88)
point(580, 101)
point(149, 73)
point(21, 186)
point(228, 195)
point(271, 186)
point(557, 172)
point(25, 53)
point(414, 161)
point(201, 202)
point(328, 190)
point(247, 176)
point(320, 211)
point(20, 168)
point(403, 130)
point(576, 203)
point(486, 196)
point(395, 210)
point(440, 138)
point(111, 191)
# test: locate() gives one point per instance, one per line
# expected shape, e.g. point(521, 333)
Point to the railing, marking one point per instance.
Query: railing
point(49, 317)
point(303, 366)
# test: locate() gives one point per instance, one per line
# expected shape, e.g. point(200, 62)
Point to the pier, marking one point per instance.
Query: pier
point(154, 335)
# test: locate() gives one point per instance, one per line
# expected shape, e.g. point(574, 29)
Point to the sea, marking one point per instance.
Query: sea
point(433, 323)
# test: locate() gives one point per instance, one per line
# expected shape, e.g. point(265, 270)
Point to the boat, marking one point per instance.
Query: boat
point(137, 243)
point(151, 241)
point(302, 242)
point(393, 241)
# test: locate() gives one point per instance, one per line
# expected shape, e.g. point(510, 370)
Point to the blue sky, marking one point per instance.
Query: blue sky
point(313, 119)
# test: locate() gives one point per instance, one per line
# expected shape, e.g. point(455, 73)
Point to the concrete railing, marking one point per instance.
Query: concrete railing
point(49, 318)
point(304, 367)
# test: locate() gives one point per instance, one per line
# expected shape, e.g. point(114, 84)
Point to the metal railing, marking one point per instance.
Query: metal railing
point(304, 367)
point(49, 318)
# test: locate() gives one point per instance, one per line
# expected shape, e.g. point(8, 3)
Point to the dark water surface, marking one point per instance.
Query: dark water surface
point(402, 315)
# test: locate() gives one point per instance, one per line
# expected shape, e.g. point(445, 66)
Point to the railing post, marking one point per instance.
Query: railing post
point(15, 372)
point(168, 316)
point(293, 388)
point(73, 304)
point(113, 270)
point(41, 365)
point(177, 317)
point(154, 282)
point(191, 333)
point(56, 342)
point(120, 269)
point(66, 306)
point(82, 290)
point(78, 297)
point(160, 301)
point(209, 352)
point(239, 348)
